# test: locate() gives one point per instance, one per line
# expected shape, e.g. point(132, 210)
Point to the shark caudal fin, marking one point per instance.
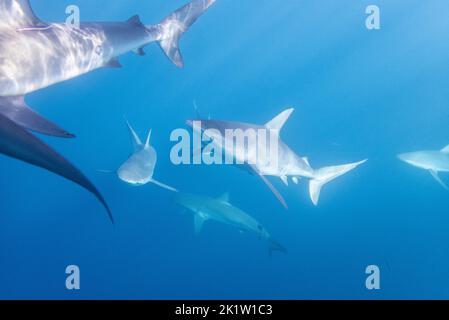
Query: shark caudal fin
point(327, 174)
point(169, 31)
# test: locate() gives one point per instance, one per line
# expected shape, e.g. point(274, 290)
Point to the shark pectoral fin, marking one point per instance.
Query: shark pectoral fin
point(274, 190)
point(438, 179)
point(18, 143)
point(199, 220)
point(159, 184)
point(135, 140)
point(15, 109)
point(285, 180)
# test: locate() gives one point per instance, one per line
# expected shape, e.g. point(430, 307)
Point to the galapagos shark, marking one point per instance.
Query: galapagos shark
point(288, 164)
point(35, 54)
point(221, 210)
point(138, 170)
point(433, 161)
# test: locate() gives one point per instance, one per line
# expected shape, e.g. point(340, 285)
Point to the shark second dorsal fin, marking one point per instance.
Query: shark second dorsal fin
point(135, 140)
point(279, 121)
point(224, 197)
point(18, 14)
point(445, 149)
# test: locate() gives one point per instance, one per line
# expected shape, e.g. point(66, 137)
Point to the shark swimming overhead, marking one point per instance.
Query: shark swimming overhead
point(287, 165)
point(221, 210)
point(35, 54)
point(138, 170)
point(433, 161)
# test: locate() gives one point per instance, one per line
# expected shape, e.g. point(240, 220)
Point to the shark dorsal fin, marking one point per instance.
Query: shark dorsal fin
point(279, 121)
point(445, 149)
point(18, 14)
point(135, 140)
point(147, 142)
point(135, 20)
point(224, 197)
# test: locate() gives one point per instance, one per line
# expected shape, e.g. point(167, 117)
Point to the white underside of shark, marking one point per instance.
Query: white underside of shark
point(432, 161)
point(288, 165)
point(138, 170)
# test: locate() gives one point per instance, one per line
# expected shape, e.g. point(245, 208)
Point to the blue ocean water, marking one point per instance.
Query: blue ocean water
point(358, 94)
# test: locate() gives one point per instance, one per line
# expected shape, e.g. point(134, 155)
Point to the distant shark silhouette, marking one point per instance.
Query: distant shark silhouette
point(35, 55)
point(433, 161)
point(289, 164)
point(221, 210)
point(138, 170)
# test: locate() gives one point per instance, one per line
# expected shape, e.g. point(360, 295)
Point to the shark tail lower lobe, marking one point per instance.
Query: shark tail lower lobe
point(170, 30)
point(17, 142)
point(327, 174)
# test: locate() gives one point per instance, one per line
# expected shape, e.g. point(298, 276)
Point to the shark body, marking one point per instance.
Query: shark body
point(288, 164)
point(138, 170)
point(35, 54)
point(435, 161)
point(222, 211)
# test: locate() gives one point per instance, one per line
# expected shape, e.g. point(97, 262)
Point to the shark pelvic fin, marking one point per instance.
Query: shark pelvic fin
point(279, 121)
point(15, 109)
point(170, 30)
point(114, 64)
point(198, 220)
point(135, 140)
point(445, 149)
point(20, 144)
point(438, 179)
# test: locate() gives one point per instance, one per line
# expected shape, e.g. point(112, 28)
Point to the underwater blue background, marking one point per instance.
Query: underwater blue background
point(357, 93)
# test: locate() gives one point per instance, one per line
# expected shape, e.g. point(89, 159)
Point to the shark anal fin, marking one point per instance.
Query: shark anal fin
point(18, 143)
point(199, 220)
point(15, 109)
point(438, 179)
point(164, 186)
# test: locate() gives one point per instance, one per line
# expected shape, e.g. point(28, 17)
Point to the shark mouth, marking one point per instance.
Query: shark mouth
point(17, 142)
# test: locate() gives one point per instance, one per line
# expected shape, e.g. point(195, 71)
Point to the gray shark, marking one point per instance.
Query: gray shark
point(138, 170)
point(432, 161)
point(221, 210)
point(288, 165)
point(35, 54)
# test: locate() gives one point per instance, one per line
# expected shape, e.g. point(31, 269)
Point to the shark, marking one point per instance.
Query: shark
point(35, 55)
point(288, 164)
point(221, 210)
point(434, 162)
point(138, 170)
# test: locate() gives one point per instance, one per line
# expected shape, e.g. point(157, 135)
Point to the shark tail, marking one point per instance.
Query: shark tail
point(327, 174)
point(170, 30)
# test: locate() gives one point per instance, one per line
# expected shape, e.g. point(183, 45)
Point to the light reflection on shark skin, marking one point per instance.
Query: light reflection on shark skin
point(287, 165)
point(222, 211)
point(35, 54)
point(433, 161)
